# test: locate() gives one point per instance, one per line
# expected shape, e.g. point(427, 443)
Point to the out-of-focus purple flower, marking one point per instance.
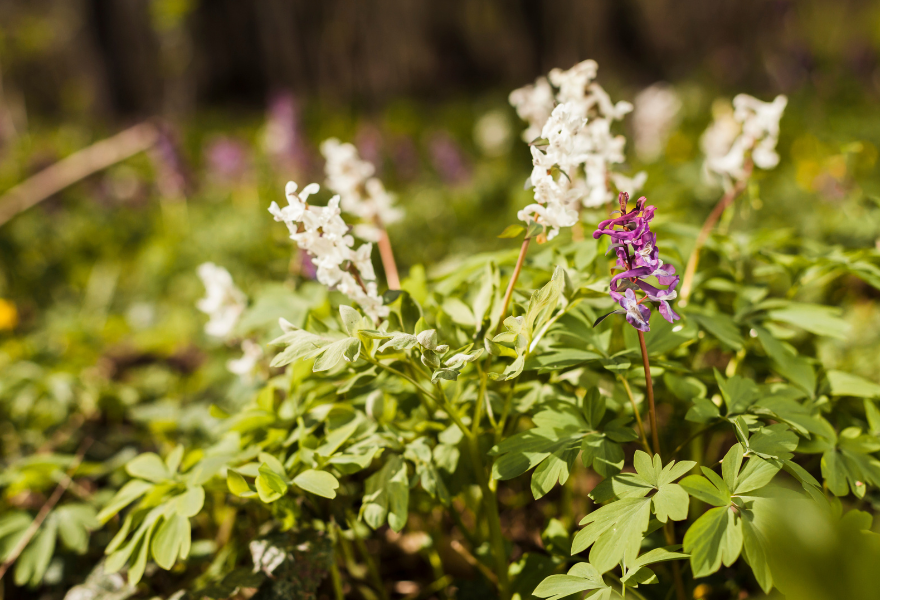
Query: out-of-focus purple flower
point(638, 257)
point(226, 159)
point(448, 159)
point(282, 138)
point(405, 158)
point(304, 266)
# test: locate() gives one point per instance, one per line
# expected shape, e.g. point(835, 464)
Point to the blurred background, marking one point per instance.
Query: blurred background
point(97, 280)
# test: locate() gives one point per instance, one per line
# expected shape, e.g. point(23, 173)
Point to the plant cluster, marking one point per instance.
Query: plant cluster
point(436, 413)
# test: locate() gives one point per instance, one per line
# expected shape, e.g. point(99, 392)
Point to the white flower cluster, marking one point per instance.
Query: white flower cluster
point(655, 112)
point(554, 196)
point(321, 231)
point(224, 302)
point(361, 194)
point(752, 127)
point(581, 144)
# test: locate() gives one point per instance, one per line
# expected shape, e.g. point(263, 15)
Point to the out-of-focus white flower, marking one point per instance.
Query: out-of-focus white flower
point(352, 179)
point(762, 123)
point(322, 232)
point(492, 133)
point(655, 112)
point(224, 302)
point(752, 127)
point(245, 365)
point(629, 185)
point(573, 83)
point(760, 119)
point(533, 103)
point(554, 215)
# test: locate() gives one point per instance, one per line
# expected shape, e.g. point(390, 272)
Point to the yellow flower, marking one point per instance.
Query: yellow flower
point(9, 316)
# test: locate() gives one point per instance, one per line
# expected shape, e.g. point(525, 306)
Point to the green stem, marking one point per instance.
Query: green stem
point(374, 572)
point(507, 404)
point(449, 408)
point(650, 399)
point(489, 499)
point(637, 414)
point(390, 369)
point(336, 581)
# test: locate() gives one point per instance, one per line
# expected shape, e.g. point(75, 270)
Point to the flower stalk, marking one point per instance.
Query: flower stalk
point(711, 220)
point(512, 280)
point(654, 433)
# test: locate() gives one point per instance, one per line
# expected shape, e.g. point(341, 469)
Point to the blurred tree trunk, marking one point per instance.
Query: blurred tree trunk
point(139, 57)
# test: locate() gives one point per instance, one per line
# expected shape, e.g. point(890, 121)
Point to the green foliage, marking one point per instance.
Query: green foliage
point(354, 441)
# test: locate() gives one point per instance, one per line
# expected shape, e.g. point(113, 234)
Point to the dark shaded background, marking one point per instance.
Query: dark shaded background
point(127, 58)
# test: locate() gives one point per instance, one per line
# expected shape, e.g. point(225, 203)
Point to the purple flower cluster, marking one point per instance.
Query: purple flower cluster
point(638, 258)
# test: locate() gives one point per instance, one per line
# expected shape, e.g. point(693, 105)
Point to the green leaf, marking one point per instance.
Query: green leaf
point(554, 468)
point(847, 384)
point(774, 441)
point(351, 319)
point(873, 416)
point(737, 392)
point(400, 341)
point(557, 587)
point(656, 555)
point(622, 540)
point(387, 495)
point(703, 411)
point(645, 467)
point(173, 460)
point(511, 371)
point(237, 485)
point(130, 492)
point(593, 407)
point(731, 466)
point(190, 502)
point(684, 387)
point(604, 456)
point(673, 471)
point(270, 485)
point(148, 466)
point(671, 502)
point(623, 485)
point(700, 488)
point(814, 318)
point(713, 540)
point(757, 473)
point(320, 483)
point(754, 554)
point(512, 231)
point(719, 325)
point(33, 562)
point(445, 374)
point(74, 522)
point(346, 350)
point(788, 364)
point(848, 467)
point(615, 530)
point(139, 565)
point(169, 539)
